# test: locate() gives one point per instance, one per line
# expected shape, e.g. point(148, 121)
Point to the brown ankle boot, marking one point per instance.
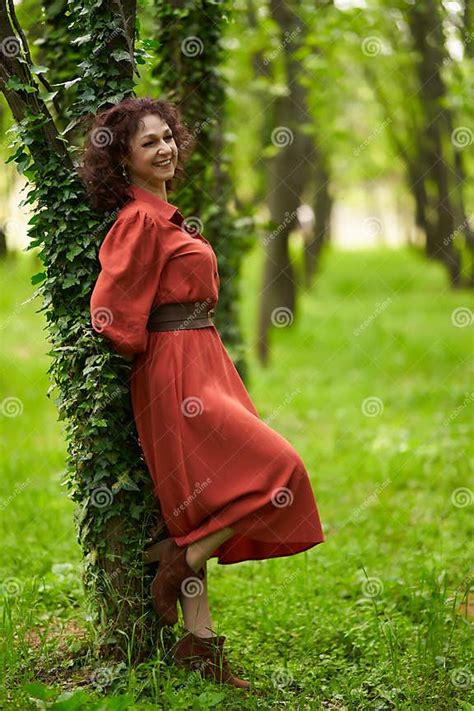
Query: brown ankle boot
point(206, 655)
point(173, 571)
point(151, 558)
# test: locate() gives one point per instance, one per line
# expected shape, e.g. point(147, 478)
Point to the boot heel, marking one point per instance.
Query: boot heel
point(153, 553)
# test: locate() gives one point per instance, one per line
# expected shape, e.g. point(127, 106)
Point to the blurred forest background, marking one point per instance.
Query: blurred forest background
point(378, 92)
point(334, 177)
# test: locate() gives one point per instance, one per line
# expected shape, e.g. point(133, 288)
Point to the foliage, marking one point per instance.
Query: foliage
point(106, 475)
point(188, 67)
point(377, 616)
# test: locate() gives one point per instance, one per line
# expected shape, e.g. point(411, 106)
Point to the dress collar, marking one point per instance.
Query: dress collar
point(166, 208)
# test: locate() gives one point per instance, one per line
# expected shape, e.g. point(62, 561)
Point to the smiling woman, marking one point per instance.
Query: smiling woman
point(129, 144)
point(248, 495)
point(154, 155)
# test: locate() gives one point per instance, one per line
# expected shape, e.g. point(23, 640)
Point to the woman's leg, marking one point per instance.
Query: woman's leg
point(200, 551)
point(196, 613)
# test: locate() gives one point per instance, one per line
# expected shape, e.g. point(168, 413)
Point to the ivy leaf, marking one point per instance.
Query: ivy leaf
point(81, 40)
point(73, 251)
point(38, 69)
point(121, 55)
point(69, 281)
point(49, 96)
point(124, 482)
point(36, 278)
point(13, 83)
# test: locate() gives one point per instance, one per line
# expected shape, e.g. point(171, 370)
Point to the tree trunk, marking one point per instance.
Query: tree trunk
point(434, 167)
point(105, 470)
point(322, 207)
point(288, 173)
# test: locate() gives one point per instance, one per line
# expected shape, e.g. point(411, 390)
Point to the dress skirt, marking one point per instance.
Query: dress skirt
point(213, 461)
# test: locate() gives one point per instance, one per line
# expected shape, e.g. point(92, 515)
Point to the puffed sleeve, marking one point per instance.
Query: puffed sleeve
point(131, 257)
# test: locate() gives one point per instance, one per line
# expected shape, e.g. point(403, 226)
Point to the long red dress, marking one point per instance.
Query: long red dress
point(213, 460)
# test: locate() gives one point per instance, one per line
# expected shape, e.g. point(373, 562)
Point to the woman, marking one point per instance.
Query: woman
point(228, 485)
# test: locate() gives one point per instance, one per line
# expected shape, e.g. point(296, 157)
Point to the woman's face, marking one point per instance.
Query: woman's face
point(152, 144)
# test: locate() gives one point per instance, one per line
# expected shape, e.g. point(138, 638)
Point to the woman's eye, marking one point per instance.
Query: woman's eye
point(151, 142)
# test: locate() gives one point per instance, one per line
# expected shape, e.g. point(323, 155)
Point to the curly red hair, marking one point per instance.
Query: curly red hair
point(107, 144)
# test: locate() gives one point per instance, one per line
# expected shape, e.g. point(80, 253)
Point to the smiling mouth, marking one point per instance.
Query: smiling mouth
point(163, 164)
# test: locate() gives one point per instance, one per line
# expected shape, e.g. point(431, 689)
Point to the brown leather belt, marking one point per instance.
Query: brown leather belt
point(177, 316)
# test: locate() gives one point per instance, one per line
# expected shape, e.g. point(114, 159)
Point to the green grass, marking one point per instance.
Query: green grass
point(375, 617)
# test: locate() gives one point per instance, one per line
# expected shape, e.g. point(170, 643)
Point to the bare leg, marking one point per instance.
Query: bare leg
point(196, 613)
point(199, 551)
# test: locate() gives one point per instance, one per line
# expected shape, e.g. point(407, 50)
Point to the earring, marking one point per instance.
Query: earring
point(124, 172)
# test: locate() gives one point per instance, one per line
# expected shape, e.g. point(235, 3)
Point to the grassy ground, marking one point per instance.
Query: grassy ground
point(372, 385)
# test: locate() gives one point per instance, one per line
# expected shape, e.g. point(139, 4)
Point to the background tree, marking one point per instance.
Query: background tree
point(424, 121)
point(187, 69)
point(105, 475)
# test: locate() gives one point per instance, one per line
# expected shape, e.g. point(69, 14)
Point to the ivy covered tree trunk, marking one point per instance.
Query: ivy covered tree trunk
point(187, 70)
point(105, 473)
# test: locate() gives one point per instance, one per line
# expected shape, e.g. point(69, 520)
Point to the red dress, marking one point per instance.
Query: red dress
point(213, 461)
